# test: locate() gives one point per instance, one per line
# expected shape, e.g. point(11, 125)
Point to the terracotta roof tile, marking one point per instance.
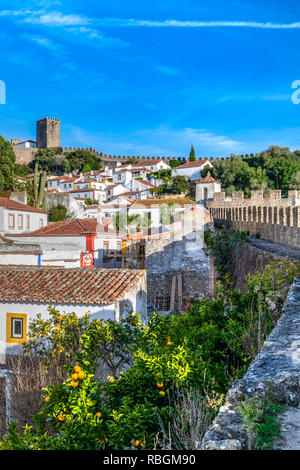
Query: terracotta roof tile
point(191, 164)
point(18, 206)
point(74, 227)
point(66, 286)
point(208, 179)
point(158, 202)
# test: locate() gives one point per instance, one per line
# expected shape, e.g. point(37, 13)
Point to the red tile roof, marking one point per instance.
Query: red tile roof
point(68, 228)
point(191, 164)
point(66, 286)
point(158, 202)
point(18, 206)
point(208, 179)
point(76, 227)
point(146, 183)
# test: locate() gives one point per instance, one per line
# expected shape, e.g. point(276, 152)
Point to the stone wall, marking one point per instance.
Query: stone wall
point(278, 364)
point(24, 155)
point(177, 262)
point(67, 200)
point(273, 218)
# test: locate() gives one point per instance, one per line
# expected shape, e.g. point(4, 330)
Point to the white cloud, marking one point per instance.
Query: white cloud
point(56, 19)
point(162, 141)
point(76, 25)
point(119, 22)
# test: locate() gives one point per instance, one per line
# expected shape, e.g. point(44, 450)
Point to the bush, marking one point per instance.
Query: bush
point(194, 355)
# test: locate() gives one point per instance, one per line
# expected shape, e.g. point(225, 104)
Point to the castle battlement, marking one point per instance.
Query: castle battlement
point(274, 218)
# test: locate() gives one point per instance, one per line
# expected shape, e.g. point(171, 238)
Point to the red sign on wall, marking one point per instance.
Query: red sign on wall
point(87, 260)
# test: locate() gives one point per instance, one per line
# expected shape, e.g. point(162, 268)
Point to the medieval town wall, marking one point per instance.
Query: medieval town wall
point(275, 218)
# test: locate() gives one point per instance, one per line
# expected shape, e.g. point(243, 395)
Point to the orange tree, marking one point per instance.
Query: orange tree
point(204, 347)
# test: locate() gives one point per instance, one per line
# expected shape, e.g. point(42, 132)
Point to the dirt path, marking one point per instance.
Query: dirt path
point(290, 430)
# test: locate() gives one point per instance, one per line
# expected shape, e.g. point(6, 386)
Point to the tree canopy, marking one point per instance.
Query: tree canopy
point(53, 160)
point(192, 157)
point(7, 164)
point(274, 168)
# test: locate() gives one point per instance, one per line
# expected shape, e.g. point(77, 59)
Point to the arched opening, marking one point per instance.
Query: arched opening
point(205, 193)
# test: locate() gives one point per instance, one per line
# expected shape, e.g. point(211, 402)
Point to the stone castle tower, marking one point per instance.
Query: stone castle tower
point(48, 133)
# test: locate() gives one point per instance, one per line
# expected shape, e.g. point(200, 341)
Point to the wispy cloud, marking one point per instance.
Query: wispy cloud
point(131, 22)
point(59, 18)
point(77, 25)
point(163, 140)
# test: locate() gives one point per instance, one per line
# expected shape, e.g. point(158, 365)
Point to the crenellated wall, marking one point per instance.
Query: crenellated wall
point(275, 218)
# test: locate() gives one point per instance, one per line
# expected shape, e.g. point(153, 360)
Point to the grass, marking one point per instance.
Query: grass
point(260, 420)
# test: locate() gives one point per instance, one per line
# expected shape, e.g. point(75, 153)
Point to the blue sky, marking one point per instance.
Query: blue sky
point(151, 77)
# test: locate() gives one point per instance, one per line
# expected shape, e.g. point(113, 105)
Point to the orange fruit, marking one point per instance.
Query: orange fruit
point(75, 376)
point(74, 384)
point(98, 414)
point(81, 375)
point(47, 399)
point(77, 369)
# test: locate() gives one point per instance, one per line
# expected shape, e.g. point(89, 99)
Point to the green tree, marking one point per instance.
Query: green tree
point(174, 163)
point(47, 160)
point(192, 157)
point(7, 163)
point(83, 160)
point(274, 168)
point(57, 213)
point(179, 185)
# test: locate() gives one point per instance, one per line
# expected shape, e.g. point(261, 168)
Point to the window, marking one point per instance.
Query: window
point(16, 327)
point(41, 223)
point(20, 221)
point(65, 185)
point(11, 221)
point(28, 221)
point(119, 246)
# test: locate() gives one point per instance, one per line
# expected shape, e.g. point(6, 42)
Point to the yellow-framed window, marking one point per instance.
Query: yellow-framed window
point(16, 327)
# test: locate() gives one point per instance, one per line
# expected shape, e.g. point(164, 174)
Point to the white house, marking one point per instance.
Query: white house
point(191, 169)
point(123, 177)
point(62, 183)
point(139, 185)
point(114, 190)
point(16, 217)
point(24, 254)
point(28, 291)
point(76, 243)
point(27, 144)
point(89, 183)
point(152, 208)
point(205, 189)
point(153, 165)
point(89, 193)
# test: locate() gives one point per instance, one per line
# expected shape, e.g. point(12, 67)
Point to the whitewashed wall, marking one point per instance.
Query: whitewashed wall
point(35, 218)
point(106, 312)
point(193, 173)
